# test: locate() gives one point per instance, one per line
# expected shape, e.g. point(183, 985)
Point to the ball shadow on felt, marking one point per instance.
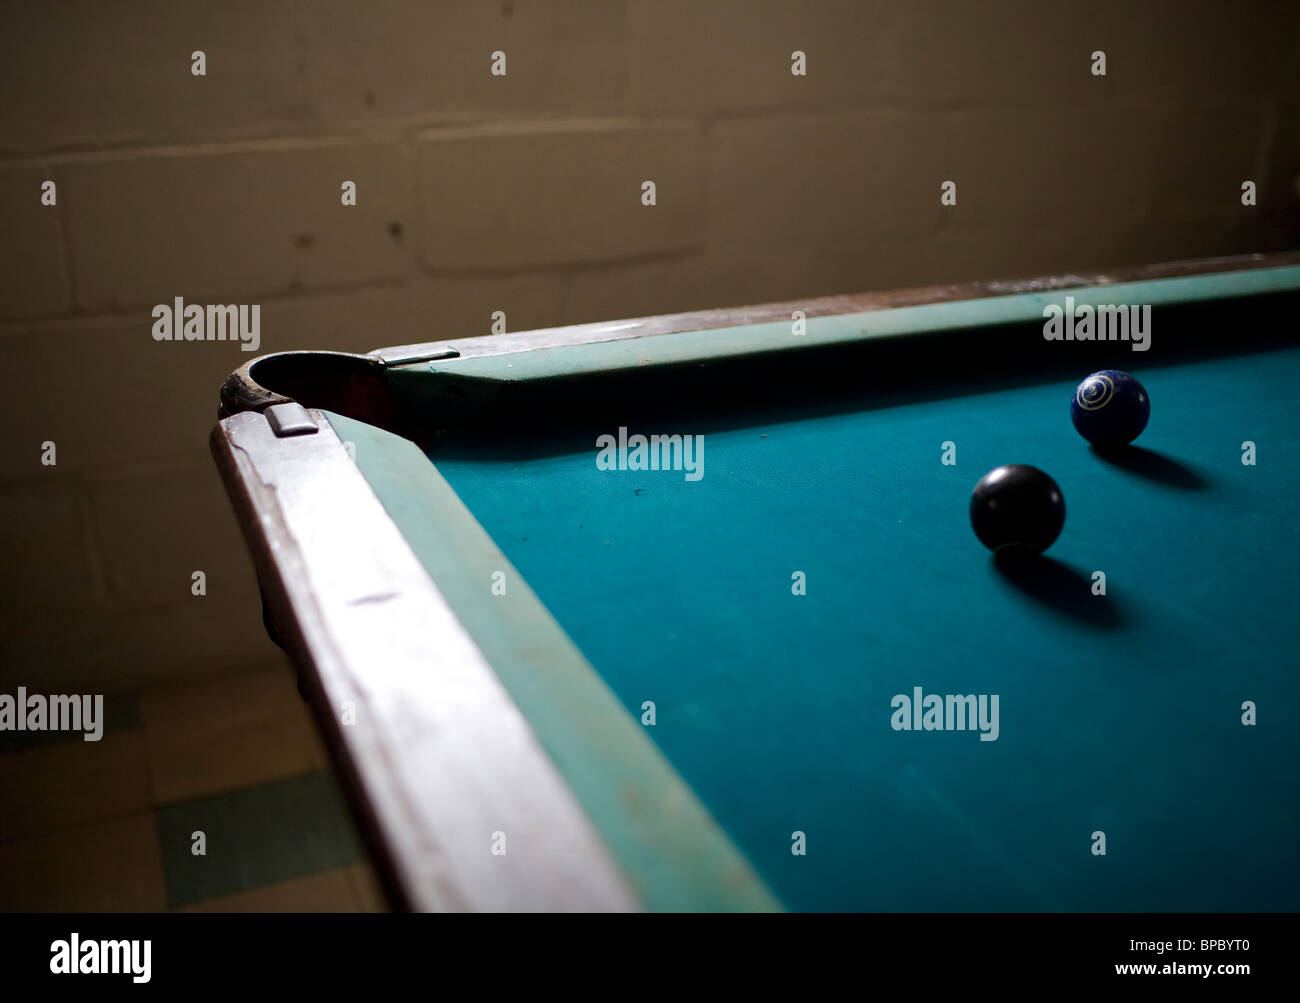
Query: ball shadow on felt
point(1057, 586)
point(1152, 466)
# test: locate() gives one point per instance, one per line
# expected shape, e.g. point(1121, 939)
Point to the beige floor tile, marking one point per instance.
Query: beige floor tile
point(70, 782)
point(225, 734)
point(320, 755)
point(328, 891)
point(369, 895)
point(110, 866)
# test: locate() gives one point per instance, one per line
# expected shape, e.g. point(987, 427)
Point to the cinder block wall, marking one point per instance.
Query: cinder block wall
point(521, 193)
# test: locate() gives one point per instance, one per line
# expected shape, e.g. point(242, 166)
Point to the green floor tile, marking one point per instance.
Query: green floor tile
point(256, 837)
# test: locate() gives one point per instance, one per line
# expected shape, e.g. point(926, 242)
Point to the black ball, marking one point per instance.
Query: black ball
point(1017, 506)
point(1110, 408)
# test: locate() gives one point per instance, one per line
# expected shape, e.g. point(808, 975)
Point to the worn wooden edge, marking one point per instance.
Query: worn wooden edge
point(437, 758)
point(354, 384)
point(823, 306)
point(774, 338)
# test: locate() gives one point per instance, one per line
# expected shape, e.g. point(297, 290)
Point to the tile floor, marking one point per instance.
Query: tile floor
point(108, 825)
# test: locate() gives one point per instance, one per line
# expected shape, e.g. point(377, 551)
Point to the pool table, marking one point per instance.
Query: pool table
point(686, 613)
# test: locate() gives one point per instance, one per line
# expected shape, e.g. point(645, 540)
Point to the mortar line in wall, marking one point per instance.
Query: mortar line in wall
point(472, 125)
point(110, 317)
point(85, 319)
point(81, 479)
point(415, 131)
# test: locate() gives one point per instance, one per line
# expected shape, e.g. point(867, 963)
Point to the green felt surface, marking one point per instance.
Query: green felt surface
point(1118, 713)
